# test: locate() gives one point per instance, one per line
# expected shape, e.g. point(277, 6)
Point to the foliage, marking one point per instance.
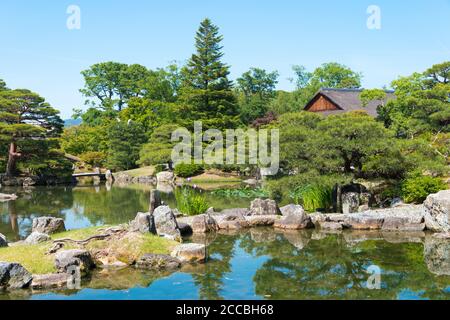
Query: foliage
point(369, 95)
point(110, 85)
point(124, 144)
point(422, 103)
point(186, 170)
point(93, 158)
point(313, 197)
point(81, 139)
point(245, 192)
point(417, 188)
point(206, 90)
point(256, 88)
point(190, 201)
point(30, 127)
point(159, 148)
point(283, 188)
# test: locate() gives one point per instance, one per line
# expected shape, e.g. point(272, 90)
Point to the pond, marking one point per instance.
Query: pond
point(83, 207)
point(252, 264)
point(263, 264)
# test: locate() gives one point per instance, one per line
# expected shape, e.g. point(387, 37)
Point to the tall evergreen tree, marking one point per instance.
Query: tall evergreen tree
point(27, 121)
point(206, 92)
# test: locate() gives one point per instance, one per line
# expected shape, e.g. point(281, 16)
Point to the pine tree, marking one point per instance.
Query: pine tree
point(206, 92)
point(27, 121)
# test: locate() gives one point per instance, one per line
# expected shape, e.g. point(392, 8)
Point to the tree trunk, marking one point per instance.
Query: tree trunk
point(12, 159)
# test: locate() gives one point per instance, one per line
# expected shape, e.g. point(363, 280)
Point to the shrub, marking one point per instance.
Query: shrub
point(190, 202)
point(245, 192)
point(185, 170)
point(159, 168)
point(417, 189)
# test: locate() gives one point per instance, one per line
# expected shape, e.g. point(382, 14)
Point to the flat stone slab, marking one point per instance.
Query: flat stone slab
point(331, 226)
point(261, 221)
point(47, 281)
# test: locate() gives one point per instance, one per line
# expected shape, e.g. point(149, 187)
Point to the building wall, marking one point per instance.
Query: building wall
point(322, 104)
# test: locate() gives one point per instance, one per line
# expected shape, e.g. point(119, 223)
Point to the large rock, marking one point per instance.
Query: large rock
point(437, 255)
point(364, 222)
point(190, 252)
point(235, 211)
point(231, 221)
point(294, 222)
point(49, 281)
point(66, 259)
point(155, 200)
point(3, 242)
point(166, 223)
point(331, 226)
point(204, 223)
point(48, 225)
point(144, 223)
point(403, 218)
point(437, 211)
point(165, 177)
point(350, 202)
point(14, 276)
point(37, 237)
point(261, 221)
point(401, 224)
point(260, 207)
point(158, 262)
point(292, 209)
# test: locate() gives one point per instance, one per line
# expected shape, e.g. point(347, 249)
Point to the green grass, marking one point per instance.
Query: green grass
point(32, 257)
point(140, 172)
point(127, 249)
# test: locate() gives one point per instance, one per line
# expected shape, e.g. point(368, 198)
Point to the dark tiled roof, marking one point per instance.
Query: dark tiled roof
point(349, 100)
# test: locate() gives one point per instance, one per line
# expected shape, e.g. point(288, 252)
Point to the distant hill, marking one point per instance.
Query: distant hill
point(72, 122)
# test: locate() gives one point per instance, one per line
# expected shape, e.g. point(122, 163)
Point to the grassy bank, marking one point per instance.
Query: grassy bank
point(126, 249)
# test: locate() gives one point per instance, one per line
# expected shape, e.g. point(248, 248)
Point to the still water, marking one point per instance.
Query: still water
point(252, 264)
point(83, 207)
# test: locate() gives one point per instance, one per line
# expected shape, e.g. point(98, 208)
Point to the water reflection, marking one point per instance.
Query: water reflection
point(263, 264)
point(82, 207)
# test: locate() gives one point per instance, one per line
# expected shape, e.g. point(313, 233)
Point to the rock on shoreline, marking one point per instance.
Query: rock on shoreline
point(437, 211)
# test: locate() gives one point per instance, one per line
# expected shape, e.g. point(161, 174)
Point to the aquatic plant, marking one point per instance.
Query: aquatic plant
point(313, 197)
point(190, 201)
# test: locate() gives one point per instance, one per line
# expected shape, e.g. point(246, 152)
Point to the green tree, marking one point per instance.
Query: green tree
point(256, 88)
point(159, 148)
point(422, 104)
point(354, 139)
point(26, 120)
point(369, 95)
point(81, 139)
point(110, 85)
point(206, 92)
point(124, 141)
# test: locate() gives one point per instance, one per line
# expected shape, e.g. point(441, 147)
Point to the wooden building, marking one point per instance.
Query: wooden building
point(334, 101)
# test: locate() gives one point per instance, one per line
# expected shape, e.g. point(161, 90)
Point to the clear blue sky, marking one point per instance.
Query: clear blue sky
point(38, 52)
